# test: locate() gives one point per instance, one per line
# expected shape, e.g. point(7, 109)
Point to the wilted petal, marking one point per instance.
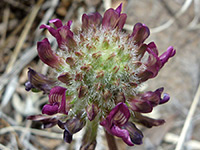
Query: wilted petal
point(135, 134)
point(146, 121)
point(139, 105)
point(57, 100)
point(65, 77)
point(47, 55)
point(92, 111)
point(39, 81)
point(48, 121)
point(74, 125)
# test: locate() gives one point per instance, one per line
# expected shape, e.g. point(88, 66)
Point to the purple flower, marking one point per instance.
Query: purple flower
point(98, 71)
point(115, 120)
point(145, 102)
point(57, 100)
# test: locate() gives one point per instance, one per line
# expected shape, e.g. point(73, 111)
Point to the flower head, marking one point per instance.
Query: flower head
point(99, 70)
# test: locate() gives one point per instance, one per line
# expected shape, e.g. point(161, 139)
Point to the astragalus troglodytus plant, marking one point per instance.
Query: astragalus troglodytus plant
point(99, 71)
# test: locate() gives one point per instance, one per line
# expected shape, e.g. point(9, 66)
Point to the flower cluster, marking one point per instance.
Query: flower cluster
point(99, 71)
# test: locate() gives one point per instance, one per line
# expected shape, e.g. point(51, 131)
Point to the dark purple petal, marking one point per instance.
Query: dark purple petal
point(165, 98)
point(146, 121)
point(67, 136)
point(135, 134)
point(140, 33)
point(50, 109)
point(121, 21)
point(28, 86)
point(110, 18)
point(47, 55)
point(91, 20)
point(62, 34)
point(39, 81)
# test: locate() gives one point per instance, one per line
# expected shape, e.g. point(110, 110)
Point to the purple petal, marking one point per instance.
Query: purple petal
point(110, 18)
point(121, 21)
point(153, 47)
point(51, 30)
point(56, 22)
point(50, 109)
point(47, 55)
point(122, 133)
point(119, 9)
point(140, 33)
point(91, 20)
point(119, 115)
point(165, 98)
point(166, 55)
point(58, 95)
point(39, 81)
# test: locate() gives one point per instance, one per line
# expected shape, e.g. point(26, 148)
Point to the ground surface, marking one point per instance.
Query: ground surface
point(172, 22)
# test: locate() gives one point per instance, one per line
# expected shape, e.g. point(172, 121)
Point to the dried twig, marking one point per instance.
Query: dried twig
point(23, 36)
point(5, 20)
point(188, 120)
point(29, 54)
point(169, 22)
point(33, 131)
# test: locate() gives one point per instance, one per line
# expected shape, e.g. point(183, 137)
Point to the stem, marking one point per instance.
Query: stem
point(111, 141)
point(89, 138)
